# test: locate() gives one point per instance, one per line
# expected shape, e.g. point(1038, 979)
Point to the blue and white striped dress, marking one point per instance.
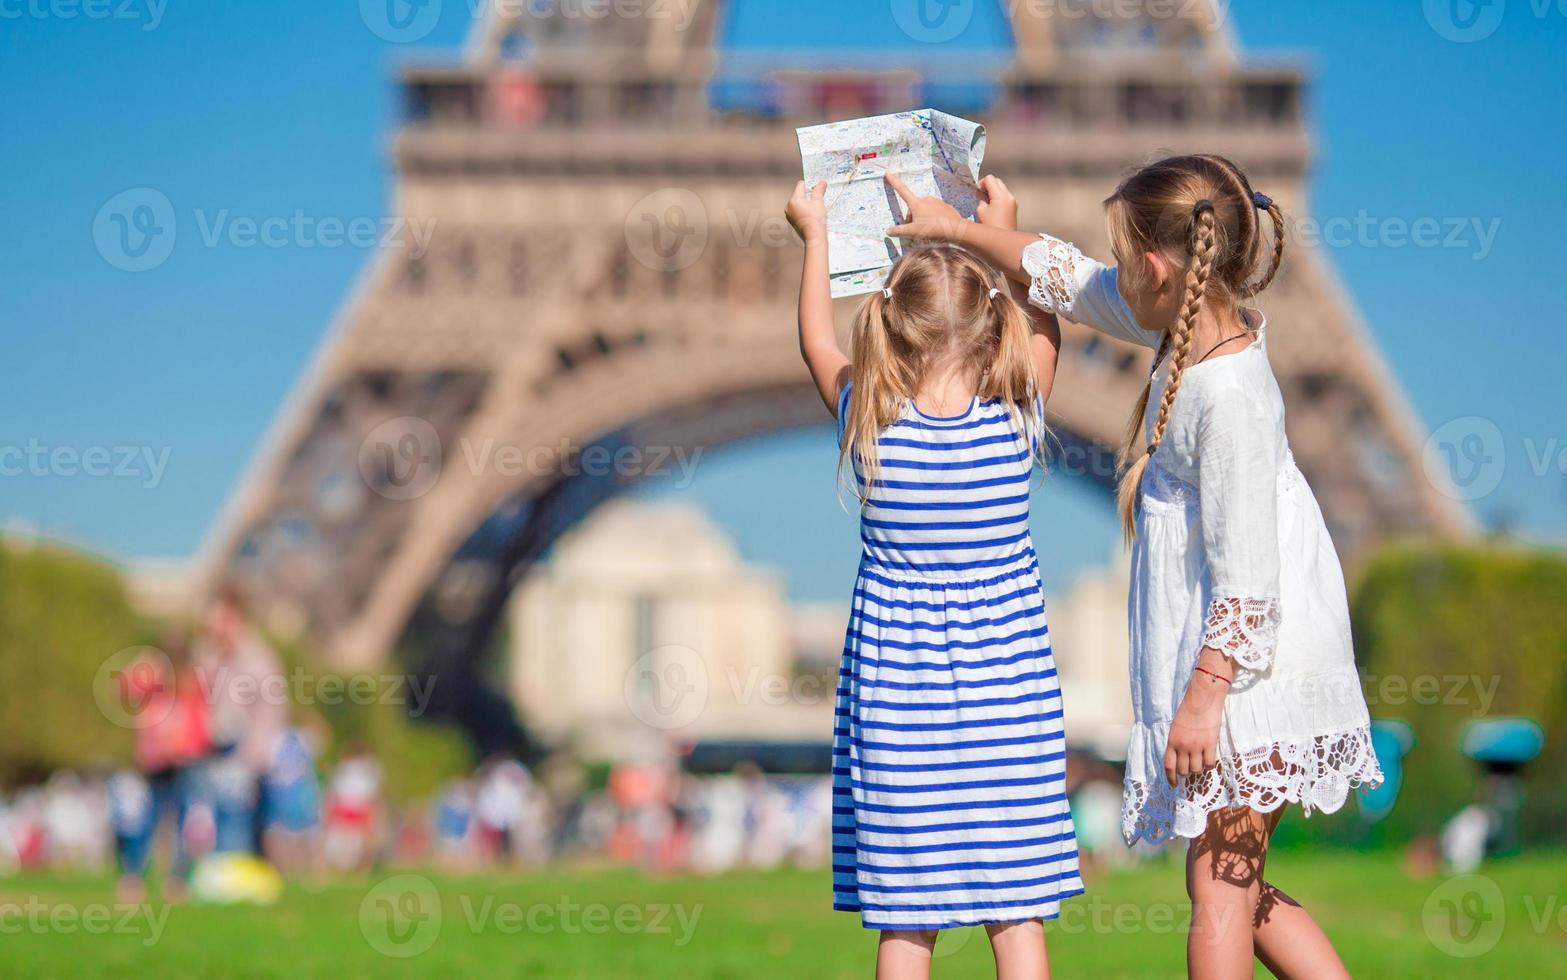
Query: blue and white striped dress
point(949, 764)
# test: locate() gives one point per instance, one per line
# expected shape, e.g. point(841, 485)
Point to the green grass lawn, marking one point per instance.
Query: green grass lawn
point(618, 923)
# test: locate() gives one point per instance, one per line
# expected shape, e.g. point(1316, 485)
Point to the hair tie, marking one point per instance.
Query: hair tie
point(994, 292)
point(1153, 448)
point(886, 292)
point(1261, 200)
point(1201, 206)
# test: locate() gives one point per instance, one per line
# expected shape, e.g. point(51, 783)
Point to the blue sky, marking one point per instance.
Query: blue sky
point(248, 110)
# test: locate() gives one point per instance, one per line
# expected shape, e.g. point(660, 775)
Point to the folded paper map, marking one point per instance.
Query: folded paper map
point(933, 152)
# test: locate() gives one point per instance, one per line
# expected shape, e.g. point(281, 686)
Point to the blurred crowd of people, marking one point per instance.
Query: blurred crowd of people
point(501, 816)
point(219, 770)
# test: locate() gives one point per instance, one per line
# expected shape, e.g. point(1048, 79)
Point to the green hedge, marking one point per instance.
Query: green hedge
point(1446, 634)
point(63, 617)
point(65, 624)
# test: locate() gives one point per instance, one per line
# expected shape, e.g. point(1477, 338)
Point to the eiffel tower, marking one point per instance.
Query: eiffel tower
point(601, 285)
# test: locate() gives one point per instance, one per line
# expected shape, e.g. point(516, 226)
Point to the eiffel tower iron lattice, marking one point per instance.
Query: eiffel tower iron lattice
point(601, 284)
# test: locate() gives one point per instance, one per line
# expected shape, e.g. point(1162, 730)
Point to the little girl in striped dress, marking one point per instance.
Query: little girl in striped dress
point(949, 797)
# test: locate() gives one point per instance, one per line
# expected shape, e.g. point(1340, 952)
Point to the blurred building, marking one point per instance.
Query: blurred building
point(646, 621)
point(1088, 637)
point(816, 633)
point(162, 587)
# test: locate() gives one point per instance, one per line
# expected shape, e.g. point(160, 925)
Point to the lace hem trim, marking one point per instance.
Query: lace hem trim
point(1243, 628)
point(1051, 265)
point(1316, 773)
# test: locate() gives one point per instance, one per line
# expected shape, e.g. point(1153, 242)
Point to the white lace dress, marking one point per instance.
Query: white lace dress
point(1231, 553)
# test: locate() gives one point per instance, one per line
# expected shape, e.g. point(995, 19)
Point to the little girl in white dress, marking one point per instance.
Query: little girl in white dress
point(1231, 553)
point(1245, 695)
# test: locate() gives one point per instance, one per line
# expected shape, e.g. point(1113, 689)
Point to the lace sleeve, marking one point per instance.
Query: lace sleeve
point(1052, 267)
point(1065, 281)
point(1245, 629)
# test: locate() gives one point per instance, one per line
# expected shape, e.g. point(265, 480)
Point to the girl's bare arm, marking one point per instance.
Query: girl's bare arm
point(935, 219)
point(807, 212)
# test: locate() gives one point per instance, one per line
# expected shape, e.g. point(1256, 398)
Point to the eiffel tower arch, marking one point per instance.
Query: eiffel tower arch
point(605, 286)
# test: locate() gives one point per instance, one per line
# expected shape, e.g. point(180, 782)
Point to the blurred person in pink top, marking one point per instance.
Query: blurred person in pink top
point(247, 695)
point(172, 738)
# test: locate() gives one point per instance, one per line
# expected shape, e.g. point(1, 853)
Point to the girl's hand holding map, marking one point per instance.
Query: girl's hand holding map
point(928, 217)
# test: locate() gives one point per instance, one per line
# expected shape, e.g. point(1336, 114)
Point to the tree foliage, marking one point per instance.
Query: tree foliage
point(1448, 634)
point(64, 619)
point(66, 626)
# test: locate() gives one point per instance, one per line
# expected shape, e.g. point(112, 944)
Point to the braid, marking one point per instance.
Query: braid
point(1278, 251)
point(1203, 246)
point(1134, 425)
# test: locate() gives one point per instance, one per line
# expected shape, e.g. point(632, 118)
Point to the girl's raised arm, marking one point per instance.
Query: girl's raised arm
point(998, 209)
point(830, 369)
point(1060, 278)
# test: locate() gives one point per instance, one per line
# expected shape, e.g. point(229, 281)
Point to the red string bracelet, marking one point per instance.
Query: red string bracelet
point(1204, 670)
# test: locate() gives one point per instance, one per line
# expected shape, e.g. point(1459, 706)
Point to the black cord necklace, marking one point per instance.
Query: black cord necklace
point(1243, 333)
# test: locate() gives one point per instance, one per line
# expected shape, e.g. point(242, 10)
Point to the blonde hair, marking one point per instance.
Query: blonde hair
point(945, 305)
point(1200, 213)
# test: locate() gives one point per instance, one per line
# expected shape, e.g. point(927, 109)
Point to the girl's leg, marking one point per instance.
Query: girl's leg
point(134, 851)
point(1019, 948)
point(905, 955)
point(1224, 882)
point(1288, 942)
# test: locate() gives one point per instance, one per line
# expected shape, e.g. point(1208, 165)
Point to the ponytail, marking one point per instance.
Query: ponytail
point(1202, 247)
point(879, 386)
point(938, 300)
point(1010, 378)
